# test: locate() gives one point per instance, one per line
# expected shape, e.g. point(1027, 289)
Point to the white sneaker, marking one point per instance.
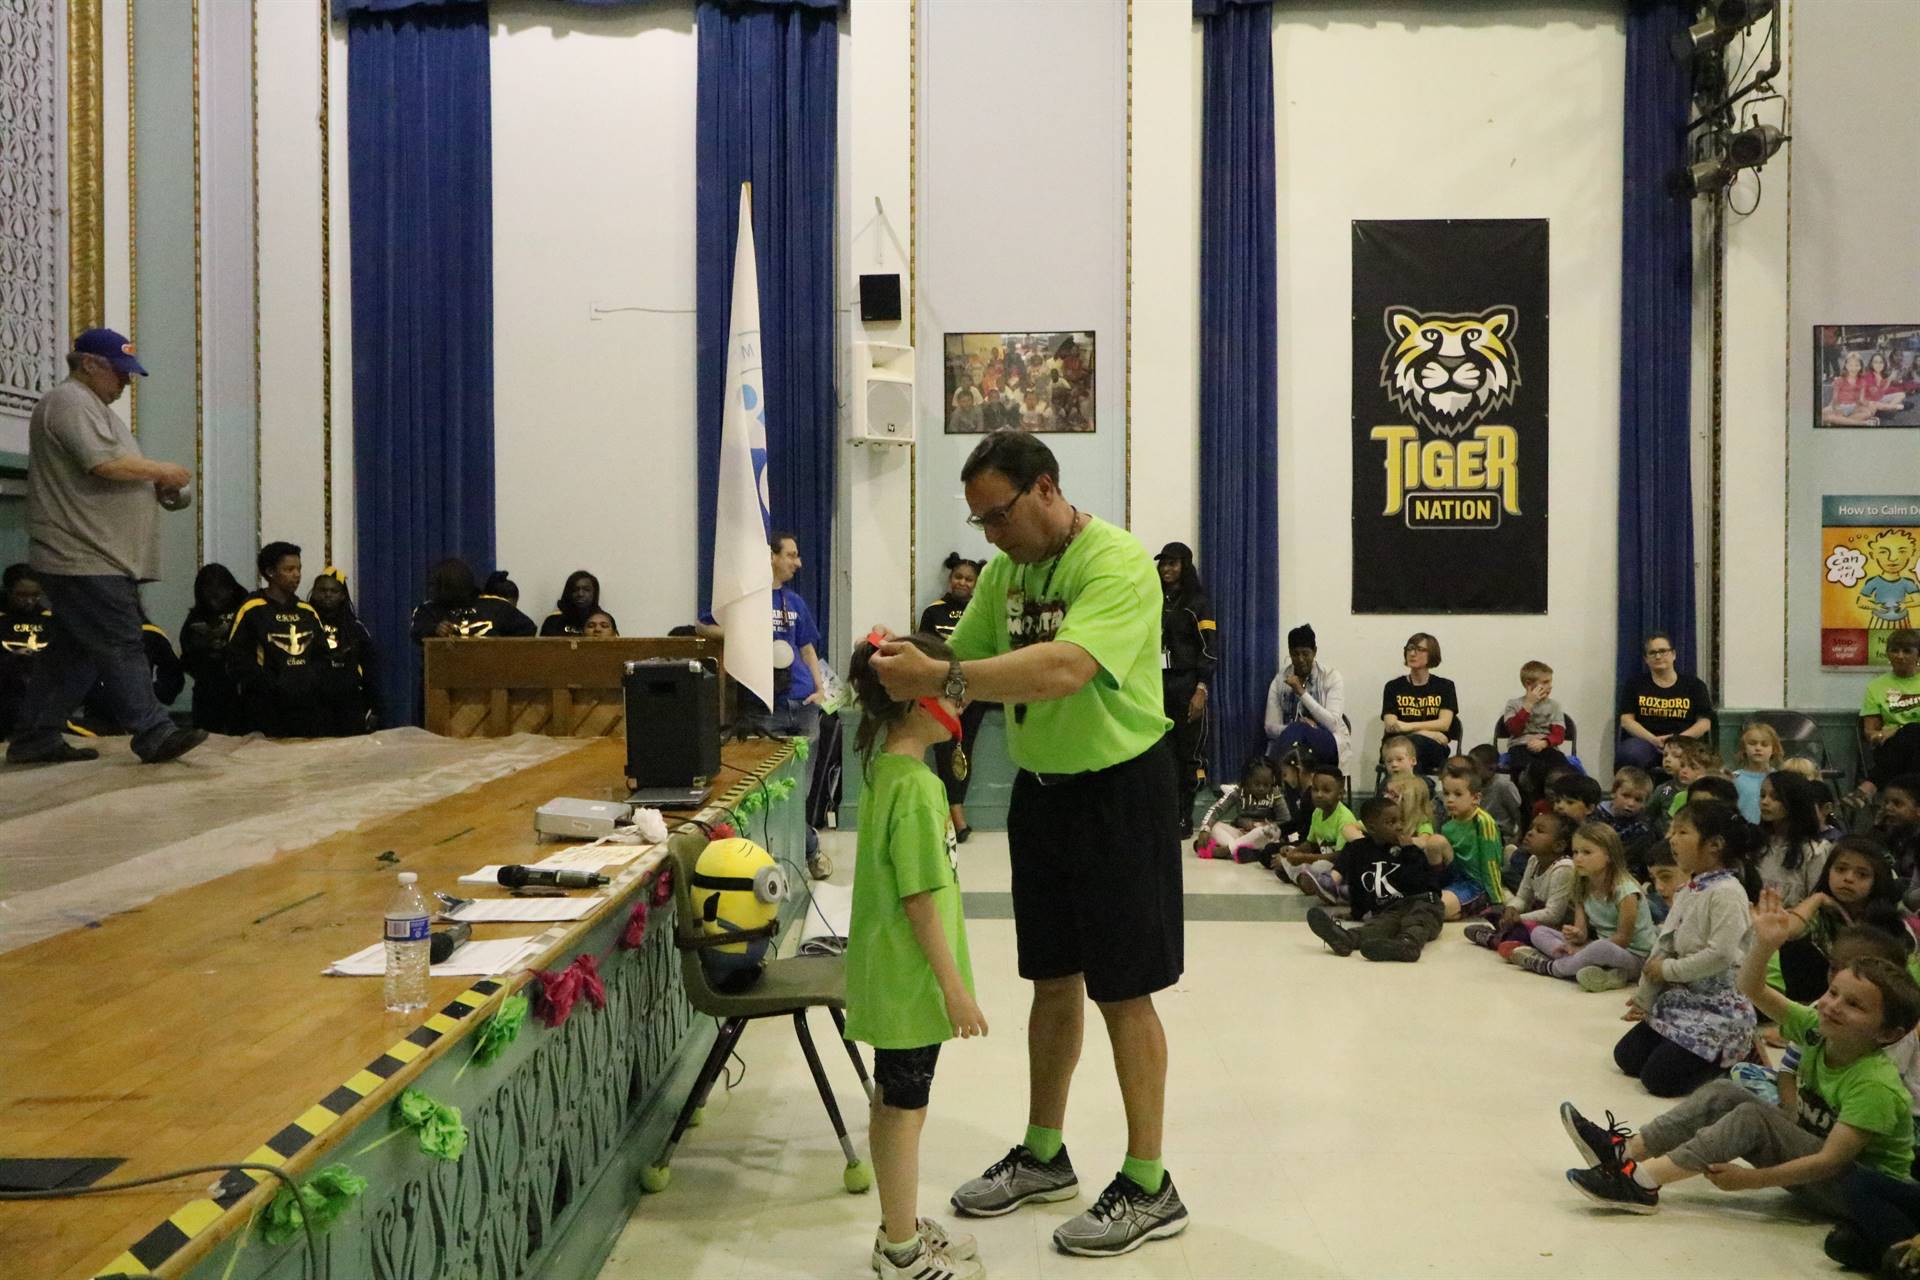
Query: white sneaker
point(929, 1262)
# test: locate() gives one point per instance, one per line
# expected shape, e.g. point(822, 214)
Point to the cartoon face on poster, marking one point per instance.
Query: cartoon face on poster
point(1869, 579)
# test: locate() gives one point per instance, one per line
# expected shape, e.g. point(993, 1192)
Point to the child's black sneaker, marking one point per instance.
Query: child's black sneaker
point(1615, 1188)
point(1338, 940)
point(1480, 934)
point(1600, 1148)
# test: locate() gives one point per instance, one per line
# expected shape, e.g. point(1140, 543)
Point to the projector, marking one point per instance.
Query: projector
point(565, 818)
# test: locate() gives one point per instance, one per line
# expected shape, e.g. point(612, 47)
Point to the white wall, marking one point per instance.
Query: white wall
point(593, 179)
point(1397, 111)
point(1855, 261)
point(872, 561)
point(1164, 477)
point(1022, 227)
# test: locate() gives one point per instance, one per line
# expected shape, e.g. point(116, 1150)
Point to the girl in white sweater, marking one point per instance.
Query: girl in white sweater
point(1697, 1022)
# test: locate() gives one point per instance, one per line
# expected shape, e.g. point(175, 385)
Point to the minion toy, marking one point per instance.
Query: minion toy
point(737, 888)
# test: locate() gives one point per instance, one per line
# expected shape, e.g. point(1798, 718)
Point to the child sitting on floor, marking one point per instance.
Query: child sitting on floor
point(1473, 877)
point(1611, 935)
point(1625, 810)
point(1851, 1105)
point(1686, 760)
point(1309, 864)
point(1857, 886)
point(1498, 795)
point(1795, 853)
point(1760, 755)
point(1697, 1022)
point(1545, 895)
point(1897, 823)
point(1664, 877)
point(1392, 886)
point(1400, 759)
point(1247, 817)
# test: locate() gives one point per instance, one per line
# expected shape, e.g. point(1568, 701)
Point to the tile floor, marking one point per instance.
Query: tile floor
point(1325, 1118)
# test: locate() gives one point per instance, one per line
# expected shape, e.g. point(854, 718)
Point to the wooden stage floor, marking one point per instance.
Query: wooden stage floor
point(192, 1028)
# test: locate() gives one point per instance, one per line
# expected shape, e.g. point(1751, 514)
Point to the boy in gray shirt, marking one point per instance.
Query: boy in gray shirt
point(1536, 727)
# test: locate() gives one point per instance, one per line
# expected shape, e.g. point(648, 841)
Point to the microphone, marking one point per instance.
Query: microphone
point(519, 877)
point(442, 943)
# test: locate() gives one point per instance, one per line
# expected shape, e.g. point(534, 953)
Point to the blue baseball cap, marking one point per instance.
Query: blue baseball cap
point(115, 348)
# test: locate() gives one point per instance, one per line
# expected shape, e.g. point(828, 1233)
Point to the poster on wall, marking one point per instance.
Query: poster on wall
point(1450, 416)
point(1869, 583)
point(1866, 375)
point(1039, 382)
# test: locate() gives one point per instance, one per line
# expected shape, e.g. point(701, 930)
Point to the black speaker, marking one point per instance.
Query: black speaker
point(673, 726)
point(880, 297)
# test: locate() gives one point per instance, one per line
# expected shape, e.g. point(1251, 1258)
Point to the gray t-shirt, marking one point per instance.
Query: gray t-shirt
point(77, 523)
point(1545, 715)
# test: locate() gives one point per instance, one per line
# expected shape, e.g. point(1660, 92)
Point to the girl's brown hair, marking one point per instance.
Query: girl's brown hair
point(879, 711)
point(1602, 836)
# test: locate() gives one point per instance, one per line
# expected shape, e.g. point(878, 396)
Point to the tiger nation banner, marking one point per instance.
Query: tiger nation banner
point(1450, 416)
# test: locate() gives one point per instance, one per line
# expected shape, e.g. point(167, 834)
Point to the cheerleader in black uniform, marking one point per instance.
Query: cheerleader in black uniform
point(940, 618)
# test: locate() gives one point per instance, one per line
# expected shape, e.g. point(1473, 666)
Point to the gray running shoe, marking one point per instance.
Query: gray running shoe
point(1014, 1180)
point(1123, 1219)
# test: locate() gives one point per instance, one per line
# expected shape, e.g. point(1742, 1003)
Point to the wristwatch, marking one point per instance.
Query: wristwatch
point(956, 685)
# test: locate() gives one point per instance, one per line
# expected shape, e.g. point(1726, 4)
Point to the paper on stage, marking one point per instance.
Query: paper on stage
point(469, 960)
point(523, 910)
point(581, 859)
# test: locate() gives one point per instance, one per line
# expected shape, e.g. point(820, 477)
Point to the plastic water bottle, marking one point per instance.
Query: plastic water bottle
point(408, 922)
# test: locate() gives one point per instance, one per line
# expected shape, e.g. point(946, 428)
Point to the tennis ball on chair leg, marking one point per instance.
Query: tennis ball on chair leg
point(654, 1178)
point(698, 1118)
point(858, 1177)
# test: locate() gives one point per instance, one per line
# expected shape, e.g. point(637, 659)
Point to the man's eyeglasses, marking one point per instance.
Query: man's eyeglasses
point(997, 516)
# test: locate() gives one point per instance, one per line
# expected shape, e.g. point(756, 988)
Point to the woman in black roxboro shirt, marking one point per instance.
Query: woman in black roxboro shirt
point(1659, 705)
point(1422, 705)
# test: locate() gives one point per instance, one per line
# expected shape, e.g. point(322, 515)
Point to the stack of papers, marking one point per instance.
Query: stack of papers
point(470, 960)
point(524, 910)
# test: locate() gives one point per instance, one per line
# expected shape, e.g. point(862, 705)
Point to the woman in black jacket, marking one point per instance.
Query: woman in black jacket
point(940, 618)
point(579, 601)
point(1187, 658)
point(348, 703)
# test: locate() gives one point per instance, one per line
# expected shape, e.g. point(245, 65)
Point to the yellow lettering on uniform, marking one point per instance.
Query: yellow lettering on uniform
point(1436, 465)
point(1467, 469)
point(1399, 464)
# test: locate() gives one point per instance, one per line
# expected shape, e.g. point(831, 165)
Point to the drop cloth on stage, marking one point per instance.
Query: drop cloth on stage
point(82, 841)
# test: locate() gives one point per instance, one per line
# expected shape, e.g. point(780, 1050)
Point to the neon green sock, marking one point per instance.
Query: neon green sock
point(1146, 1174)
point(1044, 1143)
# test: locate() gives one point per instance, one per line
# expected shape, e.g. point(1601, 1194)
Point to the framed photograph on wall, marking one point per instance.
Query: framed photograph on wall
point(1866, 375)
point(1038, 382)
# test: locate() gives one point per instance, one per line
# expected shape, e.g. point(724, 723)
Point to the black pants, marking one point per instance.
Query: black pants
point(1416, 920)
point(1882, 1209)
point(1667, 1070)
point(1529, 769)
point(1429, 756)
point(943, 754)
point(1189, 737)
point(1897, 755)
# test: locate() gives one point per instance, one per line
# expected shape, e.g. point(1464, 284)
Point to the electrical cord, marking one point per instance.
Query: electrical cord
point(103, 1188)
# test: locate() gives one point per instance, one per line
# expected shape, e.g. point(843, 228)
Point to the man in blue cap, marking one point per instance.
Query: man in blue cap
point(92, 539)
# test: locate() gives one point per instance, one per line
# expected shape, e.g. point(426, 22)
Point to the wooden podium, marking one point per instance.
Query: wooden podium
point(562, 686)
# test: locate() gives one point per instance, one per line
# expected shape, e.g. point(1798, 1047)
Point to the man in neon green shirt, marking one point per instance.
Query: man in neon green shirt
point(1064, 630)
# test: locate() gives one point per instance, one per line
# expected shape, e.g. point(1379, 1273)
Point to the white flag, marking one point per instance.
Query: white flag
point(742, 573)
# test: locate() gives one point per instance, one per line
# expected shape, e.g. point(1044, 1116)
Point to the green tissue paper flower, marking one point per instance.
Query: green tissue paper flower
point(501, 1030)
point(442, 1135)
point(801, 748)
point(323, 1198)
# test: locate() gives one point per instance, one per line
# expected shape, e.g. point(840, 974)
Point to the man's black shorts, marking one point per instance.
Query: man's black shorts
point(1096, 876)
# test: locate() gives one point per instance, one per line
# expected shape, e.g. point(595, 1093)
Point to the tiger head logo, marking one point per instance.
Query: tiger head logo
point(1450, 371)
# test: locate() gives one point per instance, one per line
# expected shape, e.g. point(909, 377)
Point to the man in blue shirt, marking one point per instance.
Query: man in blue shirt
point(798, 686)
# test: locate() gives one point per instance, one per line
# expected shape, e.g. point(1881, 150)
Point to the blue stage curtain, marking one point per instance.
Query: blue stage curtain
point(341, 8)
point(1656, 345)
point(768, 81)
point(1239, 377)
point(420, 165)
